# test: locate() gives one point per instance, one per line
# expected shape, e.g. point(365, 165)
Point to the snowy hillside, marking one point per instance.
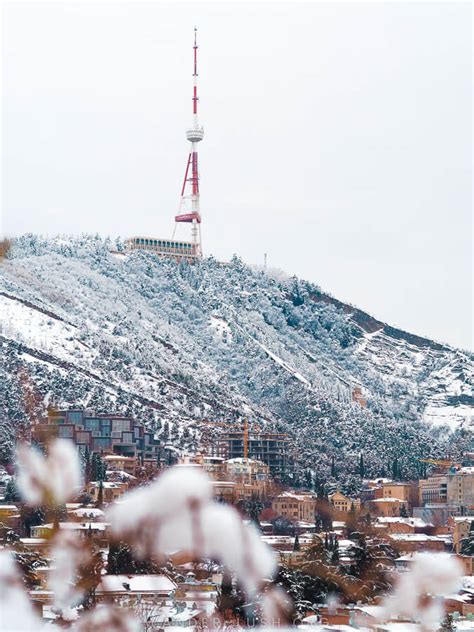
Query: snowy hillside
point(177, 344)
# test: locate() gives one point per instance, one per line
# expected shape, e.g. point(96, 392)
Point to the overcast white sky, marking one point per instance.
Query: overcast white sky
point(338, 138)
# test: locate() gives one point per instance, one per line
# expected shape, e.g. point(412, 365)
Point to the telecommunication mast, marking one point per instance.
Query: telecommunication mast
point(189, 209)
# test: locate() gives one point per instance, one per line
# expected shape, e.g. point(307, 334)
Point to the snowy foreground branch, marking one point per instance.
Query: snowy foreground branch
point(176, 513)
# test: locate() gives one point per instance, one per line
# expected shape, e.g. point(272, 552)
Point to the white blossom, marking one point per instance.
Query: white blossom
point(67, 555)
point(107, 619)
point(177, 513)
point(16, 610)
point(53, 479)
point(431, 575)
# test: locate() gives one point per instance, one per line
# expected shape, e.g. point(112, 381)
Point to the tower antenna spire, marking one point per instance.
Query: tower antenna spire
point(195, 73)
point(189, 208)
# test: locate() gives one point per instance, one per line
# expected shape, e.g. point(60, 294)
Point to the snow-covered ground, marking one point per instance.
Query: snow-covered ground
point(450, 416)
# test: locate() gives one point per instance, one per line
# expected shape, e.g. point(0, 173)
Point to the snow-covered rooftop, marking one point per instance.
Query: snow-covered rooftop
point(136, 583)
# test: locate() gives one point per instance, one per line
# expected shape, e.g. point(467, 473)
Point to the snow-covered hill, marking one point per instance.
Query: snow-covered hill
point(176, 344)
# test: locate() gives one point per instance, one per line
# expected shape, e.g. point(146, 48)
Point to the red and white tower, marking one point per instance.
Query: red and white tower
point(189, 211)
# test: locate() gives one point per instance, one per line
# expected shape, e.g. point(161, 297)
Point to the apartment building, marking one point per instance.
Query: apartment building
point(433, 490)
point(104, 434)
point(460, 490)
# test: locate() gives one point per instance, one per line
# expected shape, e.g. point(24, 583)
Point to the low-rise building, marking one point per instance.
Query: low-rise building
point(9, 517)
point(388, 506)
point(225, 491)
point(468, 563)
point(342, 503)
point(212, 465)
point(460, 528)
point(120, 463)
point(253, 474)
point(121, 587)
point(407, 492)
point(111, 491)
point(391, 524)
point(411, 542)
point(96, 530)
point(295, 506)
point(7, 511)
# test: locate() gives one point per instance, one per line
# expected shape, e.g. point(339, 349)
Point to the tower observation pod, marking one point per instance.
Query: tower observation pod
point(189, 207)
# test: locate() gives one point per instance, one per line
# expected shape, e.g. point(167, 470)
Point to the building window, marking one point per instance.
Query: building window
point(120, 425)
point(92, 424)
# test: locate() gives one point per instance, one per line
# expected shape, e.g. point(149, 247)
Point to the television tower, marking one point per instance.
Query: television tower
point(189, 212)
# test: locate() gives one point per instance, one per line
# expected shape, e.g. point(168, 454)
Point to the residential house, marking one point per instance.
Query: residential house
point(121, 463)
point(111, 490)
point(120, 588)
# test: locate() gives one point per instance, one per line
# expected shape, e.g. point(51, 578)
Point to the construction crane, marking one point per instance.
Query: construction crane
point(443, 463)
point(236, 428)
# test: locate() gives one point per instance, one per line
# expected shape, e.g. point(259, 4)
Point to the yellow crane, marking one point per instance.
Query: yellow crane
point(446, 463)
point(236, 428)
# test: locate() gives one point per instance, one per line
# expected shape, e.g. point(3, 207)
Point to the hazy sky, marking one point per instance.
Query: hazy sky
point(337, 138)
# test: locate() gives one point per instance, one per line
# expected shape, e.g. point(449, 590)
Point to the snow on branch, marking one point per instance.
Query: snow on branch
point(177, 513)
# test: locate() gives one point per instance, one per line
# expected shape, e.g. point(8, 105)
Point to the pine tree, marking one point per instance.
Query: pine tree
point(361, 466)
point(11, 492)
point(395, 469)
point(403, 511)
point(100, 495)
point(296, 544)
point(87, 465)
point(447, 624)
point(98, 468)
point(333, 467)
point(351, 522)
